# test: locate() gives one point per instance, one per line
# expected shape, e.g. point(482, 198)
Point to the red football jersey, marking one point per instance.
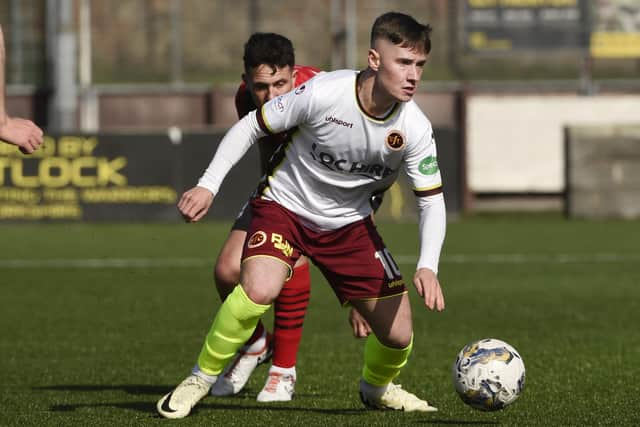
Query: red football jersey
point(244, 104)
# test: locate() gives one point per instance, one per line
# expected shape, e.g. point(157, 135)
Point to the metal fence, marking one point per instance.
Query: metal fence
point(201, 41)
point(67, 47)
point(194, 41)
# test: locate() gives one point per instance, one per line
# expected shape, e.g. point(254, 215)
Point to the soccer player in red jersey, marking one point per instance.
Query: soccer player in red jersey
point(269, 71)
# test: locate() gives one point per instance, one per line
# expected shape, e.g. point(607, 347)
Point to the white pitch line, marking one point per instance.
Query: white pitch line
point(527, 258)
point(400, 259)
point(106, 263)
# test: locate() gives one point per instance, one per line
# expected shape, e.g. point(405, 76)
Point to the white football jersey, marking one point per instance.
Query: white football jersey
point(339, 155)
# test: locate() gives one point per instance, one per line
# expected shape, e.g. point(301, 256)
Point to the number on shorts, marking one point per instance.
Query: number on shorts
point(390, 267)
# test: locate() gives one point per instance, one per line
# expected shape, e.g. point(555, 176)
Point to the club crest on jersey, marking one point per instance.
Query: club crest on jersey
point(257, 239)
point(300, 89)
point(279, 104)
point(395, 140)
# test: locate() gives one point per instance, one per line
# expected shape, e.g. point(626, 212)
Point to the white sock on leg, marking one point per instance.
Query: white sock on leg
point(208, 378)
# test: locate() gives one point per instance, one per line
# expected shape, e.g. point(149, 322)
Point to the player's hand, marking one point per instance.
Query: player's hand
point(21, 132)
point(361, 328)
point(428, 287)
point(195, 203)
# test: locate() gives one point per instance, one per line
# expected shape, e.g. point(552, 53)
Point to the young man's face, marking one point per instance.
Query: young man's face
point(399, 69)
point(264, 84)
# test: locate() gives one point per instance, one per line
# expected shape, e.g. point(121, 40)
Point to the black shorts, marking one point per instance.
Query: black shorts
point(243, 219)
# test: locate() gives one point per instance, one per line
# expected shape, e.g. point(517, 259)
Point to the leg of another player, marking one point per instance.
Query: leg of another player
point(289, 312)
point(227, 269)
point(257, 349)
point(386, 352)
point(261, 280)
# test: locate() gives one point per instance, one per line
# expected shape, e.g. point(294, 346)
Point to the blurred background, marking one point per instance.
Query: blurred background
point(535, 104)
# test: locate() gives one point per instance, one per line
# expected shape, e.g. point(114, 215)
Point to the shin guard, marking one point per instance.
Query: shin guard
point(233, 325)
point(381, 363)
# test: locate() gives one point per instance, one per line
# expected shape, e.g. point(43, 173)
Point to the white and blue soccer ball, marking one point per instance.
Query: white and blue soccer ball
point(488, 374)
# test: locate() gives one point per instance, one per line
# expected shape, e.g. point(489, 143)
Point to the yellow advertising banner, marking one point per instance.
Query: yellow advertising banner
point(605, 44)
point(616, 29)
point(110, 177)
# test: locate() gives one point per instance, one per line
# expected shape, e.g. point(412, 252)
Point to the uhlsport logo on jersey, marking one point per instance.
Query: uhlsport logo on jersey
point(333, 162)
point(300, 89)
point(428, 165)
point(395, 140)
point(257, 239)
point(338, 121)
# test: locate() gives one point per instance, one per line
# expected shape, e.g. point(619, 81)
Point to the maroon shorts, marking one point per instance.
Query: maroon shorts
point(353, 259)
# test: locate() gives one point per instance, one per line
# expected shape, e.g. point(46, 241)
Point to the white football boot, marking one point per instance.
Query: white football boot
point(237, 373)
point(279, 387)
point(179, 402)
point(394, 397)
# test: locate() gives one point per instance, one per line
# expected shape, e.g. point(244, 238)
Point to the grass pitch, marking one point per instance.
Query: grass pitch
point(98, 321)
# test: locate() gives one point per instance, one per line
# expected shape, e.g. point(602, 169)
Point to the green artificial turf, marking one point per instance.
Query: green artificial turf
point(99, 321)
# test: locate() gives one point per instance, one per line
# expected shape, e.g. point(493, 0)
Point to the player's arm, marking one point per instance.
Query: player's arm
point(432, 226)
point(422, 169)
point(277, 115)
point(23, 133)
point(195, 203)
point(3, 112)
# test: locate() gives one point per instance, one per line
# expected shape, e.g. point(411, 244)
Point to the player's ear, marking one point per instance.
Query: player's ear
point(294, 76)
point(373, 59)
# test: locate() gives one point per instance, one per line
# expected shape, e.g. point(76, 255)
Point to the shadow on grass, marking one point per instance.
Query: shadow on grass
point(137, 389)
point(220, 403)
point(146, 389)
point(150, 407)
point(159, 390)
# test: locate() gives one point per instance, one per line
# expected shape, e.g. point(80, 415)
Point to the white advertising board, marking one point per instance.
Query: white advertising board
point(515, 143)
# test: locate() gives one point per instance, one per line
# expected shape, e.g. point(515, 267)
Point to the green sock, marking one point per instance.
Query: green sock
point(232, 327)
point(381, 363)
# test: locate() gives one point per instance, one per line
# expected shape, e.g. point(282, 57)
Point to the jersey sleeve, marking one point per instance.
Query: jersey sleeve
point(421, 166)
point(286, 111)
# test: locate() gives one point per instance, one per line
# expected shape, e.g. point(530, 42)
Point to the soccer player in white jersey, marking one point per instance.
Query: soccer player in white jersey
point(355, 132)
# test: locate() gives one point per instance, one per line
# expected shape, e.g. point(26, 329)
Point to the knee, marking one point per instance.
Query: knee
point(258, 294)
point(398, 339)
point(226, 274)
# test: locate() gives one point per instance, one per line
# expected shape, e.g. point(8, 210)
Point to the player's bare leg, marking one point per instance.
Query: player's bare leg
point(258, 347)
point(386, 352)
point(227, 269)
point(289, 312)
point(262, 279)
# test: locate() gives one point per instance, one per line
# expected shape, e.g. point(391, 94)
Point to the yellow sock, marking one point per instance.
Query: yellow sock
point(381, 363)
point(232, 327)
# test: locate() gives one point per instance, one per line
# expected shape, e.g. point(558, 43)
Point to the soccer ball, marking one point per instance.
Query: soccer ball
point(488, 374)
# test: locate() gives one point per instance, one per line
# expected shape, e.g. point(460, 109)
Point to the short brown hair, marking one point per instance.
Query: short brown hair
point(403, 30)
point(270, 49)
